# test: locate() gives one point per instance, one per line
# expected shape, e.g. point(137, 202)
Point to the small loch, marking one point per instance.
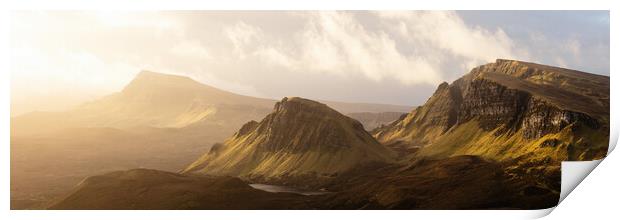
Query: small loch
point(287, 189)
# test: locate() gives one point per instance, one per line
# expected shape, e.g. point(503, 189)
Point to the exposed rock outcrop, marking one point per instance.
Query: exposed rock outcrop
point(299, 138)
point(509, 98)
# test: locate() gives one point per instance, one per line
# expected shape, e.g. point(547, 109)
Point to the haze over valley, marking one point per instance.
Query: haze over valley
point(158, 121)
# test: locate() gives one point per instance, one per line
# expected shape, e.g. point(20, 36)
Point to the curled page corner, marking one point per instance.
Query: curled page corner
point(573, 172)
point(535, 214)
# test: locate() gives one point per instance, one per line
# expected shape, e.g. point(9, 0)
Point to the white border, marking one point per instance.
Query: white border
point(272, 5)
point(312, 5)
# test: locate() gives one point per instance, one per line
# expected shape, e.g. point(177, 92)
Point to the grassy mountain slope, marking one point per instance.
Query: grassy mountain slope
point(299, 137)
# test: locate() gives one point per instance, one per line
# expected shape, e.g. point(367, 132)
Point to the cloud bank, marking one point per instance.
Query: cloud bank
point(394, 57)
point(408, 46)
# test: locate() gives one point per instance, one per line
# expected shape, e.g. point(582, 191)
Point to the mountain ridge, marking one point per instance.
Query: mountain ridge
point(504, 107)
point(521, 116)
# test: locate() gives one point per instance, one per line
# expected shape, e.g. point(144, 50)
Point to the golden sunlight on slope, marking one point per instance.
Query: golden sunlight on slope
point(300, 137)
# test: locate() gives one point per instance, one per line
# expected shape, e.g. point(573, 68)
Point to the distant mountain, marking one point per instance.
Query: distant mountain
point(154, 100)
point(372, 120)
point(166, 101)
point(160, 100)
point(299, 138)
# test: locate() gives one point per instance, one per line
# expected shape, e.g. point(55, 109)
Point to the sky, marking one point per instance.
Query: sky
point(62, 58)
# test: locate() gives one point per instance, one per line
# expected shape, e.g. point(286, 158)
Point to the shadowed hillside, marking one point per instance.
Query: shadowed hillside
point(152, 189)
point(463, 182)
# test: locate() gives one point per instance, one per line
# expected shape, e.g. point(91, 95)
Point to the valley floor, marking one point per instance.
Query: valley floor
point(462, 182)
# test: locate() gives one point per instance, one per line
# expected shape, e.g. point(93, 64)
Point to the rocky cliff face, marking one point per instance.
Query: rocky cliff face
point(509, 99)
point(300, 137)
